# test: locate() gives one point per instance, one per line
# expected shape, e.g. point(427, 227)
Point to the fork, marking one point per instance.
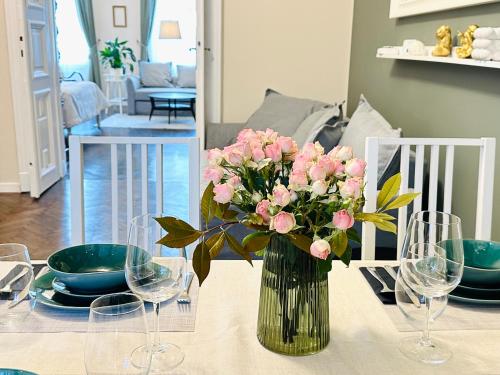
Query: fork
point(374, 273)
point(184, 297)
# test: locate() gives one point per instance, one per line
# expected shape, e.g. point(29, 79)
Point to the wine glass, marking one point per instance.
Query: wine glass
point(155, 273)
point(117, 332)
point(16, 275)
point(432, 264)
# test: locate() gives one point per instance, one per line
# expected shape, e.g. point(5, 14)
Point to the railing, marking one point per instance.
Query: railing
point(77, 178)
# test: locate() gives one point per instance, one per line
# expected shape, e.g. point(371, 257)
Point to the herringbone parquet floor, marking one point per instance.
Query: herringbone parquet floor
point(44, 224)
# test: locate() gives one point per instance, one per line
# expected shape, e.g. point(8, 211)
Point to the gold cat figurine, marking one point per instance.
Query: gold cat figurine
point(443, 46)
point(466, 39)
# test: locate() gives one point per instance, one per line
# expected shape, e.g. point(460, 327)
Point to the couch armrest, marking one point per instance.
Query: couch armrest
point(133, 83)
point(221, 135)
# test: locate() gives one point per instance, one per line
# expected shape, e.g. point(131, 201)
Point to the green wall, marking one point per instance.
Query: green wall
point(430, 99)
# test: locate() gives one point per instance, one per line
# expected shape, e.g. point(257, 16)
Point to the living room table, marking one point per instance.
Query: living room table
point(172, 102)
point(363, 338)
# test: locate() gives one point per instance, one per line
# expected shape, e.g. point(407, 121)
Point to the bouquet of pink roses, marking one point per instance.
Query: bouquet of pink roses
point(309, 196)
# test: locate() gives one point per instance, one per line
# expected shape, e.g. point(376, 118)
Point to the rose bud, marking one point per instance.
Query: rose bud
point(320, 249)
point(343, 220)
point(223, 193)
point(283, 222)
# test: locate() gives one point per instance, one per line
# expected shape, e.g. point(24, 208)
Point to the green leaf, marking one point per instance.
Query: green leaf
point(353, 235)
point(170, 223)
point(230, 215)
point(401, 201)
point(302, 242)
point(208, 205)
point(386, 226)
point(325, 266)
point(236, 246)
point(256, 241)
point(215, 244)
point(259, 253)
point(220, 210)
point(201, 261)
point(372, 217)
point(346, 257)
point(179, 234)
point(339, 244)
point(389, 190)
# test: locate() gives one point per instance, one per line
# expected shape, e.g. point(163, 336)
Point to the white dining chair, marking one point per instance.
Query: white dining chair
point(485, 180)
point(122, 200)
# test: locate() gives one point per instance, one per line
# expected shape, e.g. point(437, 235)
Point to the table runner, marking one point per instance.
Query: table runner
point(43, 319)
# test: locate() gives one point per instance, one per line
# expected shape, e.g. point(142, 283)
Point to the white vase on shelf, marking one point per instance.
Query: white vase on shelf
point(117, 73)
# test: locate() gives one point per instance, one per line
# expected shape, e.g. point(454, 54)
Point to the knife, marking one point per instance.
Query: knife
point(405, 287)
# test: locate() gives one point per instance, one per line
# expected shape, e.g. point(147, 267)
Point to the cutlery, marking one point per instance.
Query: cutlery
point(374, 273)
point(184, 297)
point(413, 297)
point(20, 297)
point(7, 279)
point(15, 278)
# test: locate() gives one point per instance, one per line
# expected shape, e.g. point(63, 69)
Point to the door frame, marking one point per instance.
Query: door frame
point(22, 99)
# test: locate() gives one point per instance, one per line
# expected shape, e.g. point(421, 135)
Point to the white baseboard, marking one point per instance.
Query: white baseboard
point(10, 187)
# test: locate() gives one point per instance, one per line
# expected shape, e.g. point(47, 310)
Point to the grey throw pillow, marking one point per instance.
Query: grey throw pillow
point(186, 76)
point(283, 113)
point(156, 74)
point(307, 130)
point(329, 135)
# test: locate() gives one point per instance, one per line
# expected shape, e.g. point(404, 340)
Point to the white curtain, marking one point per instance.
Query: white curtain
point(175, 50)
point(71, 44)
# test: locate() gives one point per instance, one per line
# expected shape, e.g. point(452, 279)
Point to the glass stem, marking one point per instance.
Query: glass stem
point(426, 334)
point(156, 340)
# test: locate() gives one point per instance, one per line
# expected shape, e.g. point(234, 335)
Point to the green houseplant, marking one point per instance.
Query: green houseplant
point(116, 55)
point(302, 205)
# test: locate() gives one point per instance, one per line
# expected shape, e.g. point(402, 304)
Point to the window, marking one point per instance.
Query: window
point(175, 50)
point(71, 43)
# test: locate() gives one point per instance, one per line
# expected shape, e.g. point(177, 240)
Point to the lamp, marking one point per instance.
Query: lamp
point(170, 30)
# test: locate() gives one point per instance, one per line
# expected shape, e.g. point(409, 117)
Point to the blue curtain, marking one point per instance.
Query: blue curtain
point(147, 18)
point(86, 17)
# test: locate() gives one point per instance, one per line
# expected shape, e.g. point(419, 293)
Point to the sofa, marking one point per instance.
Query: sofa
point(310, 121)
point(138, 102)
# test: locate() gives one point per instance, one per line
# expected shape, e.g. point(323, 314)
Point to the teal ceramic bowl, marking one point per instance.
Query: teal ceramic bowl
point(11, 371)
point(482, 263)
point(90, 268)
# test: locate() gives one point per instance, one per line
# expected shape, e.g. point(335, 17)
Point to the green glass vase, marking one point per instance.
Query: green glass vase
point(293, 308)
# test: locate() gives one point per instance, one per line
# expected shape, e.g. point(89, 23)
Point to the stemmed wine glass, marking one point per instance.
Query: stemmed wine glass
point(155, 273)
point(432, 265)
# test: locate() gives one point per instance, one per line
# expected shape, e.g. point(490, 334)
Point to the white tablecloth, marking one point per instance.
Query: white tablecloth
point(363, 338)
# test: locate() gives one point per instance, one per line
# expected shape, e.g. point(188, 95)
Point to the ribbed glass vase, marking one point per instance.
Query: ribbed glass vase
point(293, 308)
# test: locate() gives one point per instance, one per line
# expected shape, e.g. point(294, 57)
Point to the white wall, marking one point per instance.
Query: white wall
point(103, 18)
point(298, 48)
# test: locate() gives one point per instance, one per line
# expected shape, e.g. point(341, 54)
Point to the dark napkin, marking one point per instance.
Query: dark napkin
point(387, 298)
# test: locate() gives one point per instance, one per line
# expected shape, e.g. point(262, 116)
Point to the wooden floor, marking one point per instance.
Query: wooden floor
point(44, 224)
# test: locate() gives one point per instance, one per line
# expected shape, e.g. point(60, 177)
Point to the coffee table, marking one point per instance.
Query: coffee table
point(172, 102)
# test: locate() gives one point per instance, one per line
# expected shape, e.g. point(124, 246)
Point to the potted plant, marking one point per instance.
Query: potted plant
point(302, 206)
point(116, 55)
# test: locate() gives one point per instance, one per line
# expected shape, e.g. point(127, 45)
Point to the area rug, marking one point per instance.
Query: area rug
point(142, 122)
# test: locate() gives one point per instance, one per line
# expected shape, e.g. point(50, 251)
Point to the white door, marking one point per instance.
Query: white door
point(200, 72)
point(46, 141)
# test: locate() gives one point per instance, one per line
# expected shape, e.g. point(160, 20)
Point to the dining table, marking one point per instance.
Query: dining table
point(364, 340)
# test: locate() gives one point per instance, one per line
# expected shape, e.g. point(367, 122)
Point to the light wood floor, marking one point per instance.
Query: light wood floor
point(44, 224)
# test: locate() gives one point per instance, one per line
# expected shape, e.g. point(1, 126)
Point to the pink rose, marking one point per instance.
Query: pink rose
point(269, 136)
point(343, 220)
point(234, 155)
point(287, 144)
point(341, 152)
point(235, 181)
point(262, 210)
point(281, 196)
point(273, 151)
point(328, 164)
point(215, 156)
point(283, 222)
point(258, 154)
point(351, 188)
point(338, 169)
point(312, 150)
point(355, 167)
point(297, 180)
point(301, 163)
point(317, 172)
point(213, 174)
point(320, 249)
point(246, 135)
point(223, 193)
point(319, 187)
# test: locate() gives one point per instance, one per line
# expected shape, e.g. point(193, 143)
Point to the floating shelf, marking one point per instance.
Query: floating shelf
point(395, 53)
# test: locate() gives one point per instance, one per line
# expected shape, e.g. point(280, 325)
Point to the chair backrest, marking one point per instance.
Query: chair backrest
point(484, 191)
point(135, 198)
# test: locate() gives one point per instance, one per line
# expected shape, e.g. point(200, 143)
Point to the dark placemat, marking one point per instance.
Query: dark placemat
point(387, 298)
point(37, 268)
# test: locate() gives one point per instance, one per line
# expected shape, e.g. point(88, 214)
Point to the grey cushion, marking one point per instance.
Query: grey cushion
point(329, 135)
point(310, 126)
point(221, 135)
point(283, 113)
point(144, 92)
point(156, 74)
point(186, 76)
